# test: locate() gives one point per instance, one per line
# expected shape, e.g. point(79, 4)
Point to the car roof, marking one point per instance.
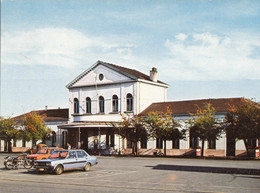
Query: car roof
point(68, 150)
point(52, 148)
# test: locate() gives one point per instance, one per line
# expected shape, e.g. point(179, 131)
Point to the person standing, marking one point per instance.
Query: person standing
point(69, 146)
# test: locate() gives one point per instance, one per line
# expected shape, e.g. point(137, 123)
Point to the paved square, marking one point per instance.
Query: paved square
point(141, 175)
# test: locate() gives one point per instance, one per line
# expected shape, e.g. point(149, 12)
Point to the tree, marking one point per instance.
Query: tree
point(34, 128)
point(133, 129)
point(243, 122)
point(163, 126)
point(8, 131)
point(204, 125)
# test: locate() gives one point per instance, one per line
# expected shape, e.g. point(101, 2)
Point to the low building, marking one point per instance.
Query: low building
point(52, 118)
point(184, 110)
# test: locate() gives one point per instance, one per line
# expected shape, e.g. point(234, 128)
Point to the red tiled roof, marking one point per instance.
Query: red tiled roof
point(191, 106)
point(48, 115)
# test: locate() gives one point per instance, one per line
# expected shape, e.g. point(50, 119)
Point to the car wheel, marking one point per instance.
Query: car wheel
point(58, 170)
point(87, 167)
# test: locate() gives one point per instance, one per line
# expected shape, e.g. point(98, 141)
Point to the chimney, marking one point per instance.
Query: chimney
point(153, 74)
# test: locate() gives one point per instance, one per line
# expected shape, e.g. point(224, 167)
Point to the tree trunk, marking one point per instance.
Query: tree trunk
point(202, 148)
point(5, 146)
point(247, 149)
point(9, 146)
point(164, 147)
point(134, 148)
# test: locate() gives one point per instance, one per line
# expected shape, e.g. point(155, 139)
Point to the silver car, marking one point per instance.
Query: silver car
point(63, 160)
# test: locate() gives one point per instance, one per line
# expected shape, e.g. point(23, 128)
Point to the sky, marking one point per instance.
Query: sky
point(201, 48)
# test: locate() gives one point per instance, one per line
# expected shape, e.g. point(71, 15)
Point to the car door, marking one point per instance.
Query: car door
point(82, 158)
point(71, 160)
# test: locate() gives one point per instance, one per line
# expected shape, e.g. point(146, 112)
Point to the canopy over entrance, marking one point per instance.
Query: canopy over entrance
point(93, 136)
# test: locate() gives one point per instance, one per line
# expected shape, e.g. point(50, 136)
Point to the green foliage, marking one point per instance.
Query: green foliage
point(133, 129)
point(243, 121)
point(164, 126)
point(8, 129)
point(34, 128)
point(204, 124)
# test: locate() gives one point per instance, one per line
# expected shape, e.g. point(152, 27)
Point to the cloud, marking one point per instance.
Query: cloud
point(59, 47)
point(206, 56)
point(181, 36)
point(197, 56)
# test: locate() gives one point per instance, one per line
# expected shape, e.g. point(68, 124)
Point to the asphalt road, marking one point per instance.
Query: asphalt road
point(114, 174)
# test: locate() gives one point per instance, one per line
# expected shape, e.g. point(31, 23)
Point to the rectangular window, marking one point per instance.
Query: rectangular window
point(212, 143)
point(24, 143)
point(144, 143)
point(129, 144)
point(159, 143)
point(252, 142)
point(194, 142)
point(176, 144)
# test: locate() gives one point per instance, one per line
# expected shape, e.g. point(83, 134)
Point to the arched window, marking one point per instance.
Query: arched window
point(76, 105)
point(129, 102)
point(101, 104)
point(115, 103)
point(88, 105)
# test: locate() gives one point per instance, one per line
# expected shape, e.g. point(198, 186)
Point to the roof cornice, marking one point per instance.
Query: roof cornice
point(118, 69)
point(154, 83)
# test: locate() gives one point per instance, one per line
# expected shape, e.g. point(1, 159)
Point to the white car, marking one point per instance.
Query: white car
point(64, 160)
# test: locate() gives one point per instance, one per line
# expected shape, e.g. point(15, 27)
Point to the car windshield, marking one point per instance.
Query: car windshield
point(58, 155)
point(43, 151)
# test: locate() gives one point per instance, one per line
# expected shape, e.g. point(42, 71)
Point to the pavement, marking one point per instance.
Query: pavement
point(138, 174)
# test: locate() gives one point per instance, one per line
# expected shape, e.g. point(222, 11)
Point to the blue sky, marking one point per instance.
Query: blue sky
point(202, 49)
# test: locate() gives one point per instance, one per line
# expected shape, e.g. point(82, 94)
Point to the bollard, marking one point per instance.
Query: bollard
point(257, 153)
point(198, 152)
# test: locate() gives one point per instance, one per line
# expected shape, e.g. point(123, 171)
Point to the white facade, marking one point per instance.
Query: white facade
point(109, 82)
point(114, 83)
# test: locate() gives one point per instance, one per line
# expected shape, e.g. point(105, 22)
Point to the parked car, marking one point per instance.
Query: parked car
point(44, 153)
point(64, 160)
point(36, 148)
